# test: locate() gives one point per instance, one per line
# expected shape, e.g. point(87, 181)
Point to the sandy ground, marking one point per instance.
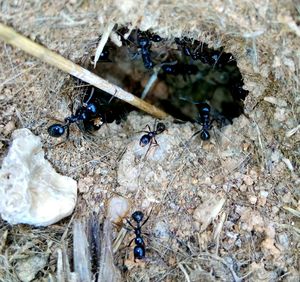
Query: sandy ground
point(218, 209)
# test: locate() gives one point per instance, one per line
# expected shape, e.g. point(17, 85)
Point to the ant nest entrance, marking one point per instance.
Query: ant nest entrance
point(183, 76)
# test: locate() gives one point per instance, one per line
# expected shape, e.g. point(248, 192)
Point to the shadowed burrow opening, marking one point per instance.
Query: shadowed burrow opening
point(182, 76)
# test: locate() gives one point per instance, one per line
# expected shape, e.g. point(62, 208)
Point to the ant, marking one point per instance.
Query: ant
point(183, 43)
point(144, 44)
point(155, 38)
point(150, 136)
point(204, 115)
point(139, 249)
point(88, 111)
point(183, 69)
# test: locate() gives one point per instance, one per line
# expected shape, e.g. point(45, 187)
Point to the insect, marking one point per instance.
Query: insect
point(139, 251)
point(104, 56)
point(183, 69)
point(204, 120)
point(85, 113)
point(150, 136)
point(186, 50)
point(155, 38)
point(144, 44)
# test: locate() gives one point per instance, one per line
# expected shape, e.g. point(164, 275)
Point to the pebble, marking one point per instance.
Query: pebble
point(252, 199)
point(117, 209)
point(9, 128)
point(248, 180)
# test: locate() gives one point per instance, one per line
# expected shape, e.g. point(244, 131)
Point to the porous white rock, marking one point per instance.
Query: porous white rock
point(117, 209)
point(31, 191)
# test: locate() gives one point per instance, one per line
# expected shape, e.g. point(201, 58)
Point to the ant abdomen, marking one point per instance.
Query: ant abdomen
point(56, 130)
point(139, 252)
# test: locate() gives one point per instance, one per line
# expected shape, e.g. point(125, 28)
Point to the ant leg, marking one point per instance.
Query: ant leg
point(154, 142)
point(197, 132)
point(90, 97)
point(146, 127)
point(210, 123)
point(147, 218)
point(147, 152)
point(130, 223)
point(145, 221)
point(113, 96)
point(68, 132)
point(130, 243)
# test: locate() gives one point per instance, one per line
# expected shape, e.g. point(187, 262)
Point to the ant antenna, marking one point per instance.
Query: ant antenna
point(153, 78)
point(90, 97)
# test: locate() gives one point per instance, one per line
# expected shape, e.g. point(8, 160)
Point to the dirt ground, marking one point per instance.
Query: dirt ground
point(226, 209)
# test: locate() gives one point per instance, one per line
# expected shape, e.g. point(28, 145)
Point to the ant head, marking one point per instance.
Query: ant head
point(56, 130)
point(91, 108)
point(204, 108)
point(143, 42)
point(170, 69)
point(145, 140)
point(156, 38)
point(160, 127)
point(137, 216)
point(204, 135)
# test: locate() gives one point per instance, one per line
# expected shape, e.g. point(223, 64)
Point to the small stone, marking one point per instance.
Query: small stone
point(117, 209)
point(208, 211)
point(84, 184)
point(262, 198)
point(286, 198)
point(283, 240)
point(26, 269)
point(9, 128)
point(248, 180)
point(275, 210)
point(243, 188)
point(252, 199)
point(161, 230)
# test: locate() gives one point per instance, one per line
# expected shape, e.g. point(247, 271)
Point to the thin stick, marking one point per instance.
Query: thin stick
point(10, 36)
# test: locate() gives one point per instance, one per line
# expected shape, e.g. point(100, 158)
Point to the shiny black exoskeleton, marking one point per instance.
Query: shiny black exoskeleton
point(176, 69)
point(104, 56)
point(144, 44)
point(84, 113)
point(150, 136)
point(139, 249)
point(184, 45)
point(204, 120)
point(155, 38)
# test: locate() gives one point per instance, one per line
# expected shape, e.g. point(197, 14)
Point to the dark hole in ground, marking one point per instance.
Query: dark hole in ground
point(175, 75)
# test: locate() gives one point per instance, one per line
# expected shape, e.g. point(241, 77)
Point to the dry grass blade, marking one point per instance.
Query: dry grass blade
point(107, 270)
point(10, 36)
point(292, 211)
point(102, 42)
point(82, 265)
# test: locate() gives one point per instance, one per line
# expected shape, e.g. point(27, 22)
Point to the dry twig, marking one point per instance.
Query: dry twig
point(10, 36)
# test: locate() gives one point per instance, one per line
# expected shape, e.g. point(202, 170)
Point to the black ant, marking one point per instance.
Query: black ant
point(155, 38)
point(150, 136)
point(204, 116)
point(87, 112)
point(183, 69)
point(139, 249)
point(144, 44)
point(184, 46)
